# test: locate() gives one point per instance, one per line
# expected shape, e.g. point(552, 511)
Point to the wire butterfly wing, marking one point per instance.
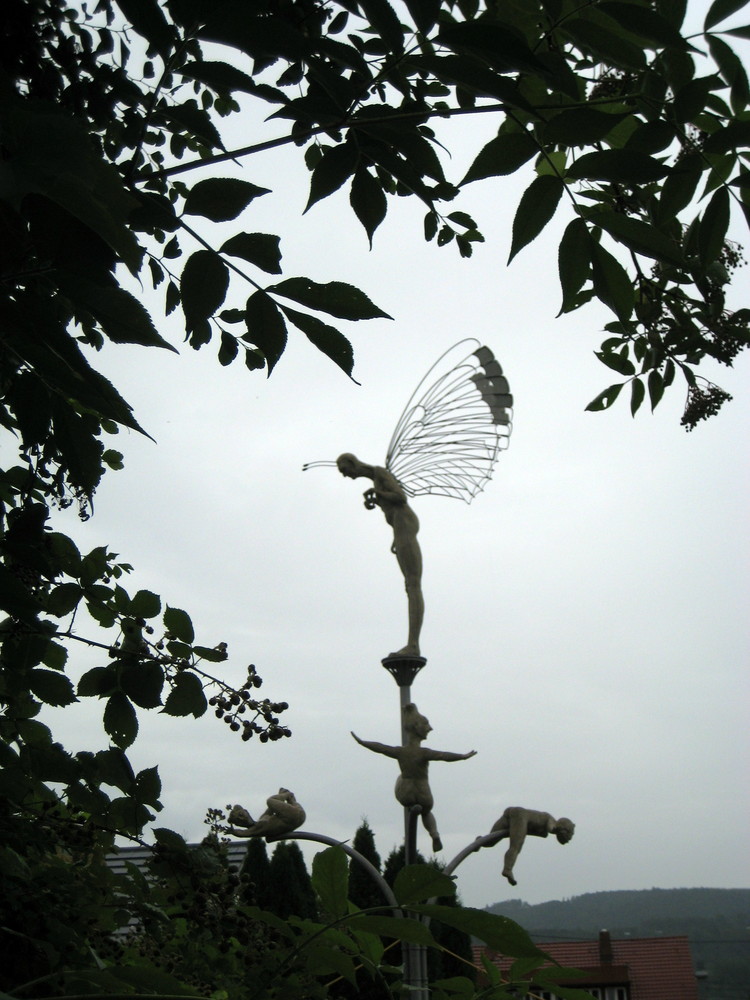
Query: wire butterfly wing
point(454, 426)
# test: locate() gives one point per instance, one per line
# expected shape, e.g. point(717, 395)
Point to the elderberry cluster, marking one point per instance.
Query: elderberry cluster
point(247, 715)
point(703, 401)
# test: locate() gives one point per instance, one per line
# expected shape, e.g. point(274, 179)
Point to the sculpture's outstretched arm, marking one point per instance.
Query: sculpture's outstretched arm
point(383, 748)
point(447, 755)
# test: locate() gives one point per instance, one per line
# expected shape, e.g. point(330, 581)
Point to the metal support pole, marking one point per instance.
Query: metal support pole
point(404, 669)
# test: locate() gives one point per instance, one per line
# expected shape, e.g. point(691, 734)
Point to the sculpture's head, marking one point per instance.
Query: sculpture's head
point(564, 829)
point(348, 465)
point(415, 722)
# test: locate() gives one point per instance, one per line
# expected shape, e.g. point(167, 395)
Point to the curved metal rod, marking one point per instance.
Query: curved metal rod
point(355, 855)
point(487, 840)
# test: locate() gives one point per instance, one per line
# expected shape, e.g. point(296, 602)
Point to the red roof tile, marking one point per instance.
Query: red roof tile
point(657, 968)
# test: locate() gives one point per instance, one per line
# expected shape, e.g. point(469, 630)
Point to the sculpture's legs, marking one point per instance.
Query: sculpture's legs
point(516, 838)
point(430, 825)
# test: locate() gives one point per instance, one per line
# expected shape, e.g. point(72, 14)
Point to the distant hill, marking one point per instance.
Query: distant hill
point(717, 921)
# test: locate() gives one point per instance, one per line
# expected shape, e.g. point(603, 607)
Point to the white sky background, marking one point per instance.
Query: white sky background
point(586, 617)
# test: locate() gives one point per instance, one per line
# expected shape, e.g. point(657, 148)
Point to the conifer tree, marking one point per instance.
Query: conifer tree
point(257, 866)
point(291, 891)
point(363, 891)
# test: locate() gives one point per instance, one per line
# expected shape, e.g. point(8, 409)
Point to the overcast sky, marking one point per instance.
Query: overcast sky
point(586, 624)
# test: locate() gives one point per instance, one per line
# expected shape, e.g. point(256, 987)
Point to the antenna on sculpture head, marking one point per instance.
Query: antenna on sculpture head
point(324, 463)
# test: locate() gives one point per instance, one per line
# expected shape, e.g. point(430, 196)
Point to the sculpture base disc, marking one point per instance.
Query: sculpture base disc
point(403, 668)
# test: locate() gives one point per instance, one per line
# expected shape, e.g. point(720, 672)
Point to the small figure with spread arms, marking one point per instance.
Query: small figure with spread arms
point(412, 784)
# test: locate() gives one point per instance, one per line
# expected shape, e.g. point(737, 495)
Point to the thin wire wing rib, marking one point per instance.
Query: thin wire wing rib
point(454, 426)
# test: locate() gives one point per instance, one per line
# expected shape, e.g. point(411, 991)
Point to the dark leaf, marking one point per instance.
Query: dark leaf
point(171, 840)
point(638, 236)
point(424, 13)
point(99, 682)
point(203, 286)
point(500, 933)
point(502, 155)
point(265, 327)
point(678, 189)
point(190, 119)
point(120, 721)
point(142, 682)
point(179, 624)
point(336, 165)
point(731, 137)
point(605, 41)
point(573, 261)
point(148, 787)
point(127, 816)
point(413, 931)
point(537, 206)
point(732, 70)
point(612, 283)
point(462, 219)
point(501, 45)
point(121, 316)
point(619, 166)
point(691, 98)
point(147, 18)
point(232, 315)
point(51, 687)
point(645, 22)
point(617, 362)
point(417, 883)
point(81, 450)
point(113, 459)
point(172, 298)
point(228, 348)
point(474, 76)
point(637, 395)
point(52, 154)
point(326, 338)
point(221, 198)
point(226, 79)
point(720, 10)
point(63, 599)
point(145, 604)
point(384, 20)
point(580, 126)
point(330, 880)
point(260, 249)
point(605, 399)
point(216, 654)
point(368, 201)
point(55, 656)
point(655, 388)
point(15, 599)
point(336, 298)
point(114, 769)
point(186, 696)
point(154, 212)
point(713, 227)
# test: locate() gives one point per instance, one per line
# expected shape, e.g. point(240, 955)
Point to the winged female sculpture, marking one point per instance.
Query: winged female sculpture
point(446, 441)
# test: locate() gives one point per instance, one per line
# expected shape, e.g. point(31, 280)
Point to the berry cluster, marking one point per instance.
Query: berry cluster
point(247, 715)
point(703, 401)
